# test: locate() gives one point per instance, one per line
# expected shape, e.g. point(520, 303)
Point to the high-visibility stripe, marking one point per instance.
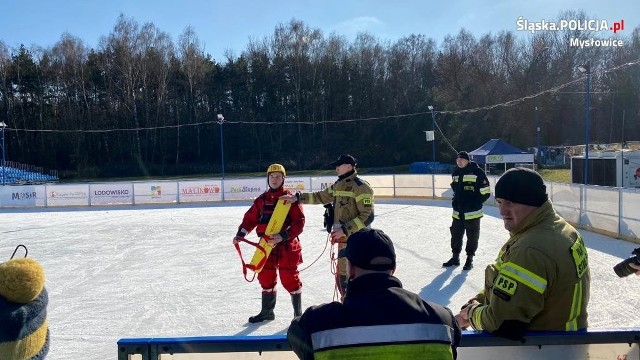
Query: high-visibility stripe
point(388, 352)
point(469, 215)
point(473, 214)
point(469, 178)
point(381, 334)
point(362, 197)
point(359, 224)
point(524, 276)
point(475, 318)
point(350, 194)
point(576, 307)
point(485, 190)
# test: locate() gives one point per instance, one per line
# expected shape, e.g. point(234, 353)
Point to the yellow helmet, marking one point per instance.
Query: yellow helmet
point(276, 167)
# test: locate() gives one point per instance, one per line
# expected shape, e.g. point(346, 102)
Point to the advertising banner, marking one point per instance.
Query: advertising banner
point(321, 183)
point(111, 194)
point(68, 195)
point(199, 191)
point(509, 158)
point(297, 184)
point(156, 192)
point(244, 189)
point(22, 196)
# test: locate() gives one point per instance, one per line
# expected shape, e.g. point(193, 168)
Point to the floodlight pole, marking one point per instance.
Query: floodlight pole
point(4, 168)
point(433, 146)
point(433, 149)
point(535, 61)
point(220, 122)
point(586, 69)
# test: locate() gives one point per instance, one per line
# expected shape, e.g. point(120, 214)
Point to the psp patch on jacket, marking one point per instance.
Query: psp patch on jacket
point(504, 287)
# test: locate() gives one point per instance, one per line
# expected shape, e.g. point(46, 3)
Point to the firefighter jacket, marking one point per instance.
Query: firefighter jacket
point(540, 280)
point(352, 200)
point(377, 320)
point(259, 214)
point(470, 190)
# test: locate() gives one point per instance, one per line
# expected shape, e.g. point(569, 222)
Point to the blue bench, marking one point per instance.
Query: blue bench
point(622, 343)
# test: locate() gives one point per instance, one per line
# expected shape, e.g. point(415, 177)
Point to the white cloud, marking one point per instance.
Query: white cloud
point(350, 28)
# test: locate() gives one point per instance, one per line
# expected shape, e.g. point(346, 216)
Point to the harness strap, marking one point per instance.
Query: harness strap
point(246, 266)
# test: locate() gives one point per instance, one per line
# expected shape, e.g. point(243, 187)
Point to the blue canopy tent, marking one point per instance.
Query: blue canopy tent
point(496, 151)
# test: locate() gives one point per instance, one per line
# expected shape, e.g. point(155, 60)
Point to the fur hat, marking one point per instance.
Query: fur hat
point(522, 186)
point(24, 333)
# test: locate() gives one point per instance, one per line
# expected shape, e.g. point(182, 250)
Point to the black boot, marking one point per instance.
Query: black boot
point(468, 265)
point(454, 261)
point(268, 304)
point(296, 300)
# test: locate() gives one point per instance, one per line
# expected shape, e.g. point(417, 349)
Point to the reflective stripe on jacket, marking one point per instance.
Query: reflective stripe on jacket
point(352, 199)
point(378, 320)
point(470, 190)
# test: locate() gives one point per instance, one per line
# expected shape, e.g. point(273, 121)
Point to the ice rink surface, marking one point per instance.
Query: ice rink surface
point(172, 271)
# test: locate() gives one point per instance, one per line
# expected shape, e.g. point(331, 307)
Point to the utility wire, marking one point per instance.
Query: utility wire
point(452, 112)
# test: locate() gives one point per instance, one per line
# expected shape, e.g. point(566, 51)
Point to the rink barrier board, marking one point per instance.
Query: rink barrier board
point(605, 210)
point(613, 344)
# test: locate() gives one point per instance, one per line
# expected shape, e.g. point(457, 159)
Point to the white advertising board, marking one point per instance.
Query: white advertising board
point(244, 189)
point(111, 194)
point(323, 182)
point(23, 196)
point(297, 184)
point(199, 191)
point(68, 195)
point(157, 192)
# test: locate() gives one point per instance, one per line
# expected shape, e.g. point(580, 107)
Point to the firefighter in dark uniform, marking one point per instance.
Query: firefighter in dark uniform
point(470, 190)
point(378, 319)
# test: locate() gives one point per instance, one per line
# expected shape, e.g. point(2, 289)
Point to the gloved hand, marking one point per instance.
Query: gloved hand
point(236, 239)
point(338, 236)
point(274, 239)
point(289, 198)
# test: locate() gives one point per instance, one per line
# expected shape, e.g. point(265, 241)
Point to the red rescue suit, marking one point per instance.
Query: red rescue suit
point(286, 255)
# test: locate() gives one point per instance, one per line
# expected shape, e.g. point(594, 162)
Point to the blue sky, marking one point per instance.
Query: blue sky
point(229, 24)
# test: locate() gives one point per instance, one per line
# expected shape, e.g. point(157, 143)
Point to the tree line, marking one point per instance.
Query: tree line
point(140, 104)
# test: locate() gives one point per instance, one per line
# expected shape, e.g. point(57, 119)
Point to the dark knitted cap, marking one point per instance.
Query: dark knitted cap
point(370, 249)
point(345, 159)
point(522, 186)
point(463, 155)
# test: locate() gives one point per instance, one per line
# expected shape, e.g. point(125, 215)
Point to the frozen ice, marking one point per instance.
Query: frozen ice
point(142, 271)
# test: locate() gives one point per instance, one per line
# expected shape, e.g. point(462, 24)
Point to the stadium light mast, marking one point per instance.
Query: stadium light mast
point(433, 149)
point(537, 111)
point(220, 122)
point(586, 69)
point(4, 168)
